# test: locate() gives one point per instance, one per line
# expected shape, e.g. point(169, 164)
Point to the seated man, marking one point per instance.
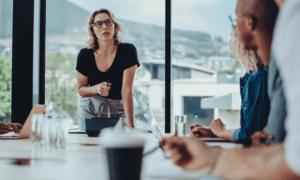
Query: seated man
point(255, 102)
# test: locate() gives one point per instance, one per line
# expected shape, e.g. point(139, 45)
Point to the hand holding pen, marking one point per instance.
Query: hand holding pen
point(103, 88)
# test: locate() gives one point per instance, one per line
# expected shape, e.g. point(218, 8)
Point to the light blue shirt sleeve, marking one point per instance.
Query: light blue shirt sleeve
point(235, 135)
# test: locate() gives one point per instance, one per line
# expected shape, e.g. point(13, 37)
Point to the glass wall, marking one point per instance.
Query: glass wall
point(66, 33)
point(6, 11)
point(205, 78)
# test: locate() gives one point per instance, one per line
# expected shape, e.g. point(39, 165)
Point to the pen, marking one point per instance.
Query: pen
point(196, 116)
point(108, 113)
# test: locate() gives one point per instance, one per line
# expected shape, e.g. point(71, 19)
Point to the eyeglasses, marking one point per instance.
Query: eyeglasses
point(99, 24)
point(233, 18)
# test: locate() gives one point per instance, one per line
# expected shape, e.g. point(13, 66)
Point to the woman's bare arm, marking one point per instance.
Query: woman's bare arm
point(83, 89)
point(86, 91)
point(128, 78)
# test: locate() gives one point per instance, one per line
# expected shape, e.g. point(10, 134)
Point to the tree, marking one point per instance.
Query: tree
point(61, 84)
point(5, 89)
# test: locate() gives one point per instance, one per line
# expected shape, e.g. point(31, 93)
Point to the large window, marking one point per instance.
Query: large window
point(203, 72)
point(66, 33)
point(6, 9)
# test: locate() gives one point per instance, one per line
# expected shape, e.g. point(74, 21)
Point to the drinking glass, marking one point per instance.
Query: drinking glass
point(180, 125)
point(59, 131)
point(36, 124)
point(49, 130)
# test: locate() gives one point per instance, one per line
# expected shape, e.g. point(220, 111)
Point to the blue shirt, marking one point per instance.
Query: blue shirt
point(255, 105)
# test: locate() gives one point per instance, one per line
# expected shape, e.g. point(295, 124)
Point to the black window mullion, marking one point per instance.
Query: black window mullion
point(27, 89)
point(42, 52)
point(22, 60)
point(168, 63)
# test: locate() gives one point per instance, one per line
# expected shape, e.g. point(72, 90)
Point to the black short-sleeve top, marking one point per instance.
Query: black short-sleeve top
point(125, 58)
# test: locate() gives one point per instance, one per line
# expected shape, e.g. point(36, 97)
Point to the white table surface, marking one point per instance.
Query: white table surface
point(84, 158)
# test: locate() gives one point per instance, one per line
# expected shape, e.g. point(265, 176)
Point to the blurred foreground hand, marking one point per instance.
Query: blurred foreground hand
point(190, 153)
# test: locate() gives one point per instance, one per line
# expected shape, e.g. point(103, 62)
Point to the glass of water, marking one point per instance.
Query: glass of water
point(180, 125)
point(49, 130)
point(36, 126)
point(59, 131)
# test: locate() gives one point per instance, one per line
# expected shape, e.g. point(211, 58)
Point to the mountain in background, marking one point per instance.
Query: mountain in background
point(66, 28)
point(65, 18)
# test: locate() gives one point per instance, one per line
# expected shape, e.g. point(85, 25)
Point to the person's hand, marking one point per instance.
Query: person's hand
point(4, 128)
point(217, 127)
point(138, 129)
point(103, 89)
point(187, 152)
point(258, 136)
point(200, 131)
point(16, 127)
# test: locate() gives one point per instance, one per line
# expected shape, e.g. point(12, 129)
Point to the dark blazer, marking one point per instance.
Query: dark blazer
point(277, 113)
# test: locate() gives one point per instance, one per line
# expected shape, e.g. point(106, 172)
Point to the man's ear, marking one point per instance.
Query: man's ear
point(251, 22)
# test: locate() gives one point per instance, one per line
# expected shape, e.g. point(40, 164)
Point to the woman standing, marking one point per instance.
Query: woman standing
point(106, 71)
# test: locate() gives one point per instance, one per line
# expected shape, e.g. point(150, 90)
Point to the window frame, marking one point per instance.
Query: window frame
point(29, 40)
point(28, 57)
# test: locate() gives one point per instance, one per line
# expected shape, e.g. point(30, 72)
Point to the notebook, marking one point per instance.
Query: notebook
point(213, 139)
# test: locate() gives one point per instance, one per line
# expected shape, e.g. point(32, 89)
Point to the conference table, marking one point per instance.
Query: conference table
point(83, 158)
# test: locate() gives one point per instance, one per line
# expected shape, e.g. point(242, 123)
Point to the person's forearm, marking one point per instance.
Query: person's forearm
point(213, 155)
point(86, 91)
point(226, 134)
point(128, 107)
point(273, 159)
point(280, 169)
point(266, 162)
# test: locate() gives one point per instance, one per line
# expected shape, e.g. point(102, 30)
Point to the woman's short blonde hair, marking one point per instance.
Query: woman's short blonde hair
point(118, 37)
point(248, 58)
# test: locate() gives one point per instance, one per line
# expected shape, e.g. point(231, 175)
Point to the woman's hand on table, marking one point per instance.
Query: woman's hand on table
point(200, 131)
point(138, 129)
point(103, 88)
point(16, 127)
point(187, 152)
point(4, 128)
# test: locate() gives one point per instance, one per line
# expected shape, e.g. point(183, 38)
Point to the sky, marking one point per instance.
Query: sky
point(209, 16)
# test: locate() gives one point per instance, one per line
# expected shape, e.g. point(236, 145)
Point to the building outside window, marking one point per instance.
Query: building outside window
point(204, 76)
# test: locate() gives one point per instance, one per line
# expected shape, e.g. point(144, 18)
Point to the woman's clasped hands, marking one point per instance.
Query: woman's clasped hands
point(103, 89)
